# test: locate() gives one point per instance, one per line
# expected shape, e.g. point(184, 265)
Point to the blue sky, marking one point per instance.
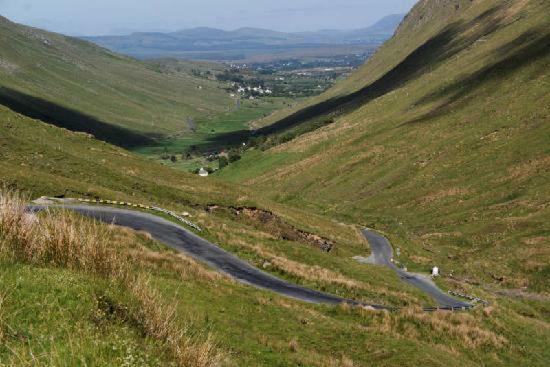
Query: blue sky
point(95, 17)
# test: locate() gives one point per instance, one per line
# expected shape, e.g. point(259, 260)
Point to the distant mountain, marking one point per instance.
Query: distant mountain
point(202, 39)
point(381, 30)
point(386, 25)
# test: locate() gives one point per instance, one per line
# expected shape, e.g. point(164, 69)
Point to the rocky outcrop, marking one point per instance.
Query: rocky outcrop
point(277, 226)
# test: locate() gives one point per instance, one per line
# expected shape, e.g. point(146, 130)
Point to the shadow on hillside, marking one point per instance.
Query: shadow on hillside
point(525, 49)
point(41, 109)
point(225, 140)
point(450, 41)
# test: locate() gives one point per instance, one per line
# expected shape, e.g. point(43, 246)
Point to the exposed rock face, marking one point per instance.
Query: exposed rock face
point(277, 226)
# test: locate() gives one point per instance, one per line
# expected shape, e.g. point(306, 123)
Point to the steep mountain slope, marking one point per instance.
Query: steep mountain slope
point(105, 321)
point(41, 159)
point(80, 86)
point(441, 140)
point(85, 306)
point(108, 296)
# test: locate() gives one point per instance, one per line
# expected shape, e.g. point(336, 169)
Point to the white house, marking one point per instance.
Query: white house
point(435, 271)
point(203, 172)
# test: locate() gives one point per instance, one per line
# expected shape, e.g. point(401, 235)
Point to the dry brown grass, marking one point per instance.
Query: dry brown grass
point(56, 239)
point(442, 194)
point(2, 318)
point(186, 267)
point(437, 327)
point(293, 345)
point(346, 362)
point(318, 274)
point(160, 322)
point(526, 170)
point(65, 240)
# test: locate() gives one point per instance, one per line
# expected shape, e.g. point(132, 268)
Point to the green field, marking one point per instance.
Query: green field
point(219, 132)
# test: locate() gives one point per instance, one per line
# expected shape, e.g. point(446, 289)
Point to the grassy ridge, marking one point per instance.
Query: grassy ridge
point(80, 86)
point(44, 160)
point(79, 297)
point(88, 316)
point(429, 162)
point(424, 21)
point(452, 160)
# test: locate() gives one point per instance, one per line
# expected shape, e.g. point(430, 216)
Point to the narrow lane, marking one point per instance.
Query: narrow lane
point(190, 244)
point(383, 253)
point(180, 239)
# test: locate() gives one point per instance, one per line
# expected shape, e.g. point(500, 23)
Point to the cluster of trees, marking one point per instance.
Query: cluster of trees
point(200, 74)
point(172, 157)
point(223, 159)
point(228, 76)
point(232, 157)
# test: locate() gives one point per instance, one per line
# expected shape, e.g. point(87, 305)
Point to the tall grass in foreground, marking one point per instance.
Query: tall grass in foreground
point(2, 322)
point(58, 239)
point(65, 240)
point(160, 322)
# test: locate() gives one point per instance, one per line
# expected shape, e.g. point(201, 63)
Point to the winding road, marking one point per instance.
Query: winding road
point(190, 244)
point(382, 255)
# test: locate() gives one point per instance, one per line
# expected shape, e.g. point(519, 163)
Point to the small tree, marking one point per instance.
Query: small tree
point(165, 154)
point(234, 157)
point(222, 162)
point(174, 159)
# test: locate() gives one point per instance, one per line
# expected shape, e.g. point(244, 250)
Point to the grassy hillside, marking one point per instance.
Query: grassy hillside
point(44, 160)
point(441, 140)
point(80, 86)
point(447, 160)
point(74, 292)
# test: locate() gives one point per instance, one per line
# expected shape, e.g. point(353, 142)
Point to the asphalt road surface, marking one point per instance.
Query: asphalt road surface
point(190, 244)
point(382, 254)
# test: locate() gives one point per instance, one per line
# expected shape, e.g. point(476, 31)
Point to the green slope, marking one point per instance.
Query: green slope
point(450, 163)
point(80, 86)
point(44, 160)
point(441, 140)
point(56, 314)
